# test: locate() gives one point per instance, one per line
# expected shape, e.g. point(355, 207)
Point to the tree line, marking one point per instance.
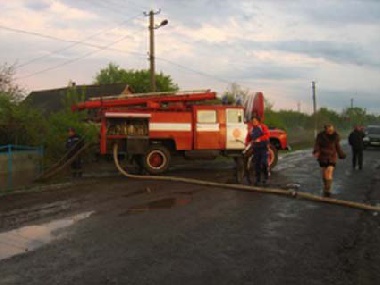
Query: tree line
point(293, 121)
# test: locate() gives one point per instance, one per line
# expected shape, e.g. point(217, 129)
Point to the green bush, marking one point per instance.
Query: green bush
point(273, 119)
point(56, 133)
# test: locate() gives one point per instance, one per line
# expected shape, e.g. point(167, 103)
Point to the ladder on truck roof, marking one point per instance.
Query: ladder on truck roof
point(150, 94)
point(144, 99)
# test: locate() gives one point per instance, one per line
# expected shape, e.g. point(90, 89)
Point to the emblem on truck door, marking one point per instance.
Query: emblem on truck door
point(236, 133)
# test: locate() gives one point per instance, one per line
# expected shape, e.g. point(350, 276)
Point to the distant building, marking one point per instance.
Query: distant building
point(52, 100)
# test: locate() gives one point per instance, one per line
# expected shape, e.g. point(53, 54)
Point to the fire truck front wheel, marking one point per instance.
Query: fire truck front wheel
point(156, 160)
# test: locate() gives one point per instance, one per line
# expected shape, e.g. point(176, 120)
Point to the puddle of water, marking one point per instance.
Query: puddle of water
point(337, 187)
point(348, 172)
point(30, 238)
point(166, 203)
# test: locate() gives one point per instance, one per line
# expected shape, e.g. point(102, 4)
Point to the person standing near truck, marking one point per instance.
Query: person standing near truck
point(327, 149)
point(258, 137)
point(355, 139)
point(73, 144)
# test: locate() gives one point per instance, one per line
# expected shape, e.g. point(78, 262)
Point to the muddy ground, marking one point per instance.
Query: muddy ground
point(113, 230)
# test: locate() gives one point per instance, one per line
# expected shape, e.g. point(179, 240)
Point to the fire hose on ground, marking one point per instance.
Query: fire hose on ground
point(62, 163)
point(246, 188)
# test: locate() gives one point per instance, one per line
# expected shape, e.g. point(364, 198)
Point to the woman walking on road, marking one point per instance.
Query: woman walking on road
point(327, 149)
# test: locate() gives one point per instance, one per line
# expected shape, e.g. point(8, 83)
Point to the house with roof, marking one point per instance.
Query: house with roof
point(52, 100)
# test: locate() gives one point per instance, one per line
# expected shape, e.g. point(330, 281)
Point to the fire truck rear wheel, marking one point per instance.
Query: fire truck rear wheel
point(156, 160)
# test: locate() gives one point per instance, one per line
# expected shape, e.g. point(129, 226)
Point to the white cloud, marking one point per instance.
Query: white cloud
point(64, 12)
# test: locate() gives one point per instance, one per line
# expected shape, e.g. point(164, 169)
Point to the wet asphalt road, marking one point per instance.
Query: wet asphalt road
point(171, 233)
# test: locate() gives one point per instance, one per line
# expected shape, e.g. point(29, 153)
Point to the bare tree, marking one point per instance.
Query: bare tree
point(8, 87)
point(237, 91)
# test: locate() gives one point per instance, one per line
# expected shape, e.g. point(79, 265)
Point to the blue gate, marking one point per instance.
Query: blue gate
point(19, 165)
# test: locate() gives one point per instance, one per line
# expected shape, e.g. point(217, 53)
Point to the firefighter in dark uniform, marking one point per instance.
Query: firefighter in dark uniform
point(259, 138)
point(73, 144)
point(355, 140)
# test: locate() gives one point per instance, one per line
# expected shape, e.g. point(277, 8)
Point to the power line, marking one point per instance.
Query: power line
point(52, 37)
point(194, 71)
point(74, 43)
point(70, 61)
point(234, 64)
point(101, 48)
point(59, 39)
point(33, 33)
point(204, 74)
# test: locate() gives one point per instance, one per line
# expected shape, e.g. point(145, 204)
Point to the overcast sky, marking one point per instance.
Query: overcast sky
point(275, 46)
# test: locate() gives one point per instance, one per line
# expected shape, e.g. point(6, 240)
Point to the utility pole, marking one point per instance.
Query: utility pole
point(151, 52)
point(153, 27)
point(314, 108)
point(352, 103)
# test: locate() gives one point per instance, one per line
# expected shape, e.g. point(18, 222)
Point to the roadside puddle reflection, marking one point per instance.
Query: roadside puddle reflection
point(166, 203)
point(30, 238)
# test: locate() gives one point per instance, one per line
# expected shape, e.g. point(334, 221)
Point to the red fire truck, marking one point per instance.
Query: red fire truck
point(151, 128)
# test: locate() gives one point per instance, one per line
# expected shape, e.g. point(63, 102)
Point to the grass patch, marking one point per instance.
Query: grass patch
point(301, 139)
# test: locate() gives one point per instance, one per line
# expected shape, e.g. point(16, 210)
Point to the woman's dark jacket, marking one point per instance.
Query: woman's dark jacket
point(328, 147)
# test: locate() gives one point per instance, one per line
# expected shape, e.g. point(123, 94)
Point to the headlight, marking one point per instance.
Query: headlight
point(366, 139)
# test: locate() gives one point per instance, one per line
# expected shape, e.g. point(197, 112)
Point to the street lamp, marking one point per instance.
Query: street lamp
point(163, 23)
point(153, 27)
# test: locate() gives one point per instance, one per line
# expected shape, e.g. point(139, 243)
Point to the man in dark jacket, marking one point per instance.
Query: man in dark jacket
point(73, 144)
point(327, 149)
point(355, 139)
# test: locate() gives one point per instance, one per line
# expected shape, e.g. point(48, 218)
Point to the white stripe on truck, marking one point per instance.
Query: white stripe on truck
point(178, 127)
point(207, 127)
point(126, 115)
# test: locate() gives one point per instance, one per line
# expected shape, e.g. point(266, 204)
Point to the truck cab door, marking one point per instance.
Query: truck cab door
point(207, 129)
point(236, 130)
